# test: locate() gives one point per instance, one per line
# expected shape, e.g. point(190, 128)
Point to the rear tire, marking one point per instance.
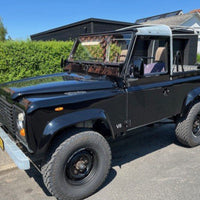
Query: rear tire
point(78, 166)
point(188, 127)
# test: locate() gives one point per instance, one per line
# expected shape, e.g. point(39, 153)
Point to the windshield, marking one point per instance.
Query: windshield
point(110, 48)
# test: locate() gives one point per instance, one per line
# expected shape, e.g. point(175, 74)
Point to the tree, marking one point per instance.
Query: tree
point(3, 31)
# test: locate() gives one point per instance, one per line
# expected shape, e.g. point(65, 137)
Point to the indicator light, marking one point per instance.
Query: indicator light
point(22, 132)
point(59, 109)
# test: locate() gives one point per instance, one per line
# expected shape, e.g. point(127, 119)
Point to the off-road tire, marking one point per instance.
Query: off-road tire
point(55, 179)
point(184, 127)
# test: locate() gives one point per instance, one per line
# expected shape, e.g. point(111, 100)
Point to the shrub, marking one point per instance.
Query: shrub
point(198, 58)
point(22, 59)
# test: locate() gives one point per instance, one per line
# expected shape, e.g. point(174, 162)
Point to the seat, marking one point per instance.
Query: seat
point(161, 60)
point(161, 55)
point(122, 56)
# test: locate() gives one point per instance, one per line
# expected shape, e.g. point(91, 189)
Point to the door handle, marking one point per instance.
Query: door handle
point(166, 92)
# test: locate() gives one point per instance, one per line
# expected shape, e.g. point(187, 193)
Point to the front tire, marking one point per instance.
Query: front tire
point(188, 127)
point(78, 166)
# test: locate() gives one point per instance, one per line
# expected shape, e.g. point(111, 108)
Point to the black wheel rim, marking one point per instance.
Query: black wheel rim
point(196, 126)
point(81, 166)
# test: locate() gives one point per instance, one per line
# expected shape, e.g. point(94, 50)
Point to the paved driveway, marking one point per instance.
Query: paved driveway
point(149, 165)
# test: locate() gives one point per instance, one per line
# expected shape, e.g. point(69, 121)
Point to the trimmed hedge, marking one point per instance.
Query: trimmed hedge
point(22, 59)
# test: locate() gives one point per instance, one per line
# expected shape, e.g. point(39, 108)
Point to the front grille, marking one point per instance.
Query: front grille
point(7, 116)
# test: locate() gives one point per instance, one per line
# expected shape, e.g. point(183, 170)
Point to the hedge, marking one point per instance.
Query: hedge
point(198, 58)
point(22, 59)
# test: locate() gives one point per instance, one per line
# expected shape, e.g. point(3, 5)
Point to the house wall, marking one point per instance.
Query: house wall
point(74, 31)
point(101, 27)
point(64, 34)
point(194, 22)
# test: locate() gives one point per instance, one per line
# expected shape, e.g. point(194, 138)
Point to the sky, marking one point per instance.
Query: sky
point(25, 17)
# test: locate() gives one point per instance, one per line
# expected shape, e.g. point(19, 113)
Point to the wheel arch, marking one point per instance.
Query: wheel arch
point(89, 119)
point(191, 97)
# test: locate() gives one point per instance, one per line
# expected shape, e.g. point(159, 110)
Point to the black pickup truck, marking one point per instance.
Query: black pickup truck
point(112, 83)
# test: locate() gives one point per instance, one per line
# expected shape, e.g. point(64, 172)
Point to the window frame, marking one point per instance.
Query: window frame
point(76, 44)
point(151, 38)
point(187, 39)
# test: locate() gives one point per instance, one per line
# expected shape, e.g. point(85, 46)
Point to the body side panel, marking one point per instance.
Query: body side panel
point(148, 102)
point(77, 108)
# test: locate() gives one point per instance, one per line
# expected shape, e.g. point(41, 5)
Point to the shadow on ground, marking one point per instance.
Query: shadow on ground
point(139, 143)
point(37, 176)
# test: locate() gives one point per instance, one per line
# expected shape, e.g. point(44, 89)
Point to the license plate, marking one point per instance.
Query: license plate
point(1, 144)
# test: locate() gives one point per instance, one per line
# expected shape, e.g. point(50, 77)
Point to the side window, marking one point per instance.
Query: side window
point(154, 53)
point(185, 56)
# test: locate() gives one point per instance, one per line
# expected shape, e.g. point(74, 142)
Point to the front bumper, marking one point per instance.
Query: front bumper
point(19, 158)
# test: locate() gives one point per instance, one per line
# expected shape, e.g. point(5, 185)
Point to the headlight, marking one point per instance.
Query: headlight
point(20, 121)
point(21, 117)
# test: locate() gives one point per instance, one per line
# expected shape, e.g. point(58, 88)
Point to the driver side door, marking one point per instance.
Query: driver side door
point(150, 96)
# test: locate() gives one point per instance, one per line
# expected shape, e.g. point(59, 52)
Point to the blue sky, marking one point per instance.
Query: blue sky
point(24, 17)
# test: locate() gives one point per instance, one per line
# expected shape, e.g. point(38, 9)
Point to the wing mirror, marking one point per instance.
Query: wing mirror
point(138, 68)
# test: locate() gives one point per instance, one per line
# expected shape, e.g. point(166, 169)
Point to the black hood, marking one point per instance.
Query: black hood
point(56, 83)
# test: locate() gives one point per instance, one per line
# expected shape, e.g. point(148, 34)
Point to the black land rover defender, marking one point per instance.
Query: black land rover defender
point(112, 83)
